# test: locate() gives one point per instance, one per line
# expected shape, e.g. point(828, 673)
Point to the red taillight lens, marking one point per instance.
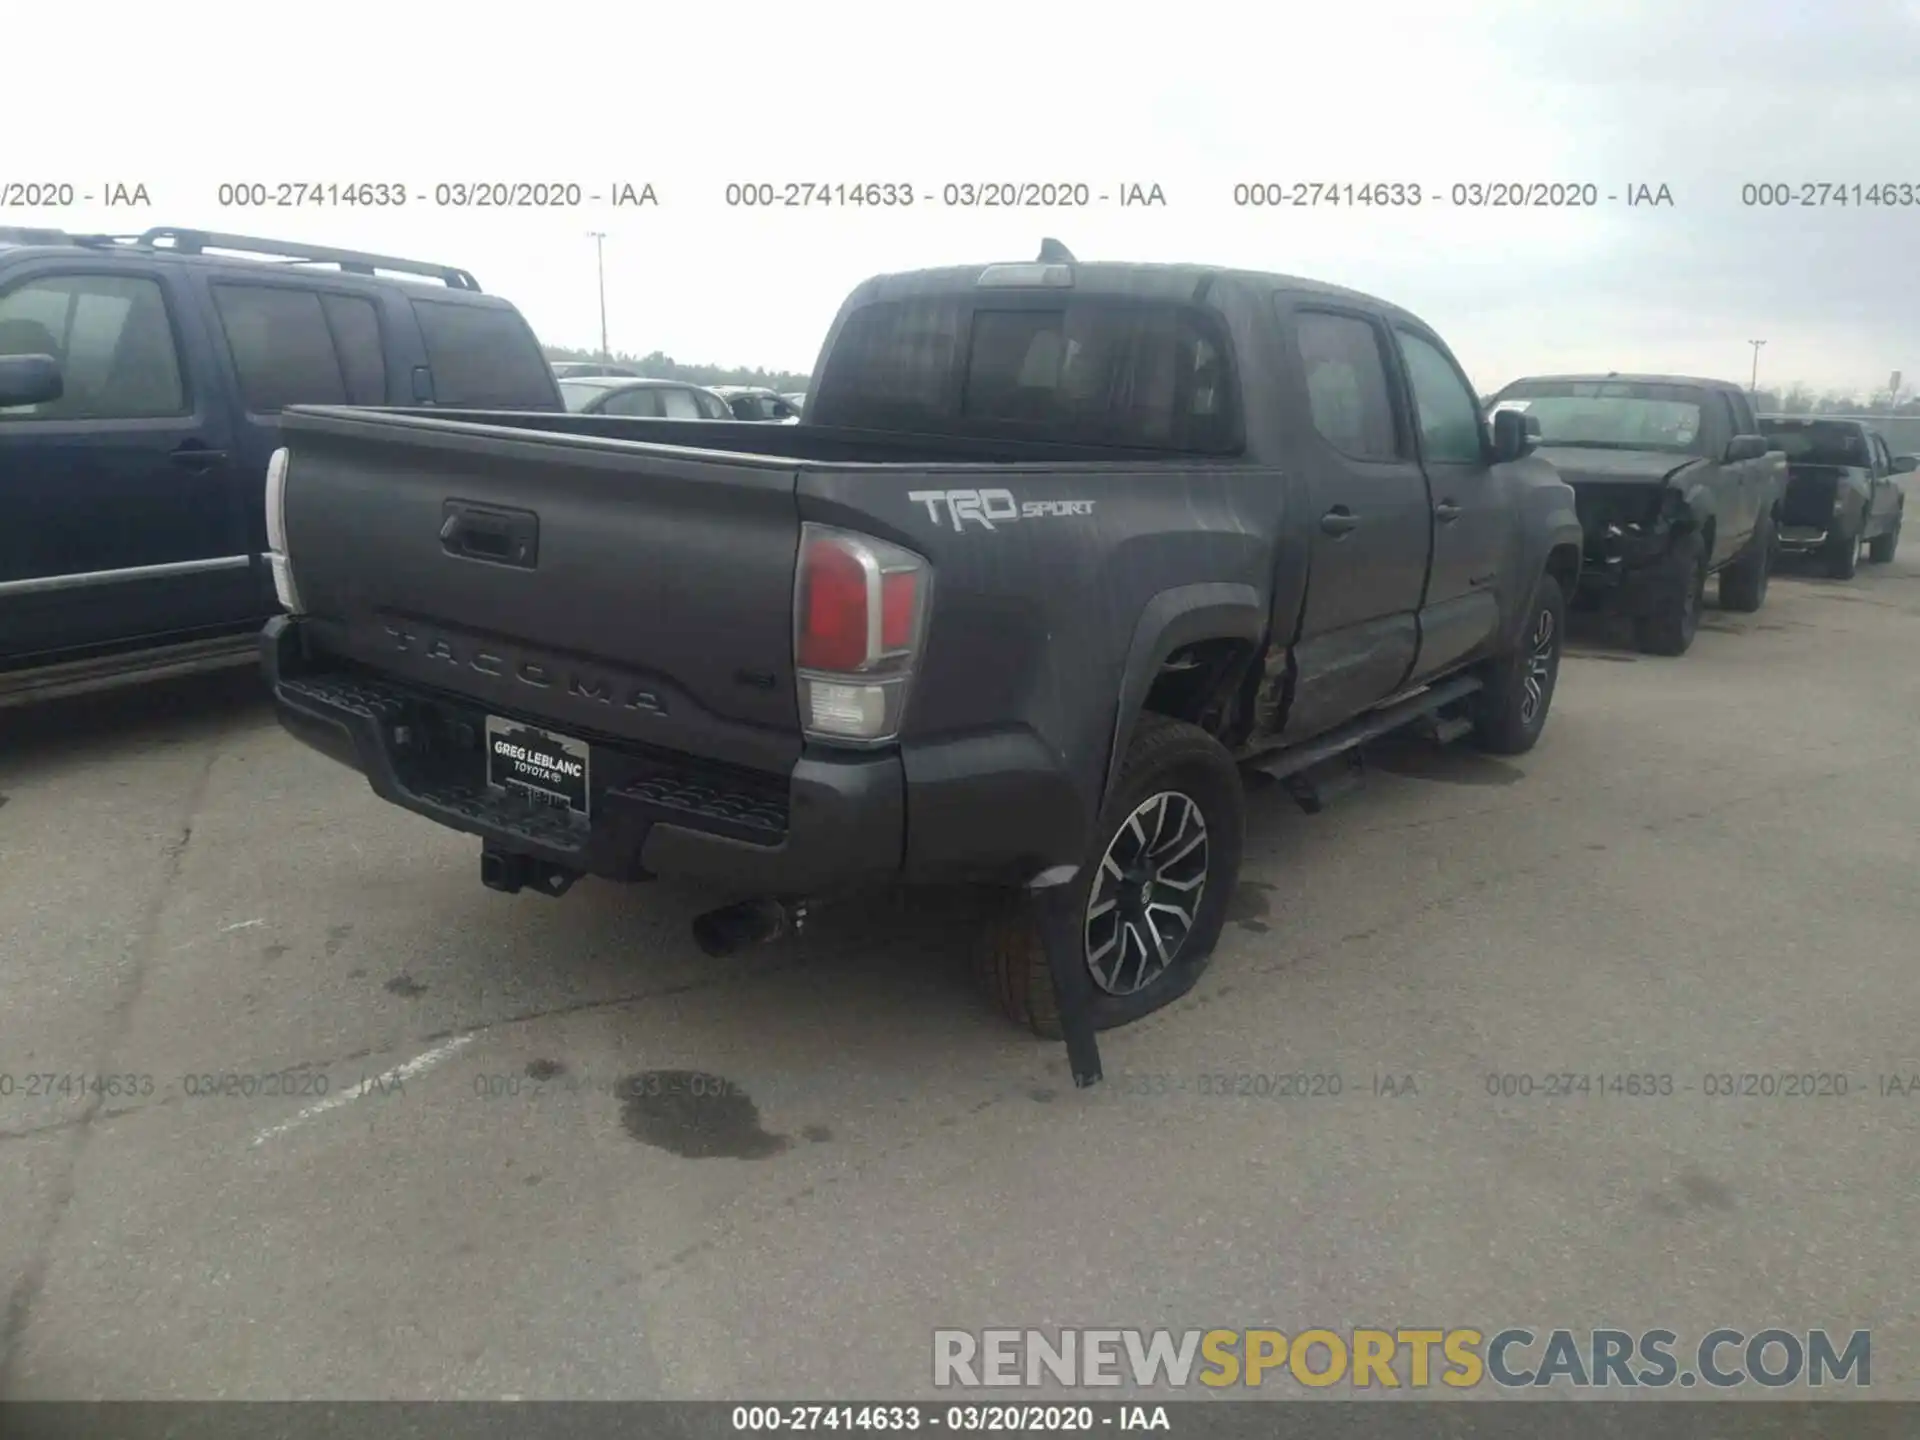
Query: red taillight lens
point(833, 615)
point(899, 596)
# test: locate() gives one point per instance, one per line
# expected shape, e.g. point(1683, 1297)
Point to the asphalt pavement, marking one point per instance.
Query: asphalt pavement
point(371, 1130)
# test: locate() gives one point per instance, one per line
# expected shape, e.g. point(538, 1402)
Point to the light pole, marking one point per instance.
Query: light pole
point(1753, 383)
point(600, 264)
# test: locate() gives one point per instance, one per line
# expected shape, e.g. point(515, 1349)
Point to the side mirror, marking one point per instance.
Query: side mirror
point(1515, 435)
point(29, 380)
point(1747, 447)
point(1905, 464)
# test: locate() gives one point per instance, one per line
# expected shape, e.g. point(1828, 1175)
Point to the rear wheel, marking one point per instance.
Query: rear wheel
point(1510, 713)
point(1842, 554)
point(1152, 895)
point(1880, 549)
point(1683, 585)
point(1743, 584)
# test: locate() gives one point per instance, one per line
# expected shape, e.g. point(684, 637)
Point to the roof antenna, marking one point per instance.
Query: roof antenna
point(1052, 252)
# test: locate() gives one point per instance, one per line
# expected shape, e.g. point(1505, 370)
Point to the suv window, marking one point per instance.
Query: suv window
point(1104, 371)
point(1347, 387)
point(1882, 457)
point(483, 358)
point(1450, 430)
point(712, 407)
point(281, 347)
point(112, 337)
point(355, 323)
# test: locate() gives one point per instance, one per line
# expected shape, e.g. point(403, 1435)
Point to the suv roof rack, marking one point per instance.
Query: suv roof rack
point(292, 252)
point(352, 262)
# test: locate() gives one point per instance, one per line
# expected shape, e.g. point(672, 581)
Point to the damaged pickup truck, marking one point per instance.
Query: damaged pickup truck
point(1843, 490)
point(1674, 483)
point(1056, 550)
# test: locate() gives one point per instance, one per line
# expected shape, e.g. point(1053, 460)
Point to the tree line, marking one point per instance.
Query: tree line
point(661, 366)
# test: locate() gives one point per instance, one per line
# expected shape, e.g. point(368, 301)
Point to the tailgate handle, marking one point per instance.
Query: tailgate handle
point(486, 532)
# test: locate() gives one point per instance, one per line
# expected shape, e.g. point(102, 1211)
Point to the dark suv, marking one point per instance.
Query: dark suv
point(141, 384)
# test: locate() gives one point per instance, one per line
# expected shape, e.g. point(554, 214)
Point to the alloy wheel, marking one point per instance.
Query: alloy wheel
point(1543, 651)
point(1146, 895)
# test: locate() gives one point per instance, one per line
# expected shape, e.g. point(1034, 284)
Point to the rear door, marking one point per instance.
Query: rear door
point(1471, 524)
point(1371, 515)
point(119, 516)
point(1885, 496)
point(288, 342)
point(1750, 476)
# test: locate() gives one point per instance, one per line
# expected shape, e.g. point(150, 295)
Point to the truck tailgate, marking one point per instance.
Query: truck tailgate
point(635, 592)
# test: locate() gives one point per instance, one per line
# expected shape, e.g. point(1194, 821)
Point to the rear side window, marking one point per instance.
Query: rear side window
point(1347, 385)
point(356, 340)
point(1118, 372)
point(483, 358)
point(712, 407)
point(678, 405)
point(112, 338)
point(281, 347)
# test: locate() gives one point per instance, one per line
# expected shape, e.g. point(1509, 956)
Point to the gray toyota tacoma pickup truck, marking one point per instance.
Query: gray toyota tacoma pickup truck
point(1674, 482)
point(1057, 550)
point(1843, 488)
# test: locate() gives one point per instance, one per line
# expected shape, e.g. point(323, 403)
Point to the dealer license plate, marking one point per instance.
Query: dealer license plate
point(539, 765)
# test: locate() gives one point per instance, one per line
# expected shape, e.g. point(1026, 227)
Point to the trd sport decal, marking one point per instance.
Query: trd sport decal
point(990, 508)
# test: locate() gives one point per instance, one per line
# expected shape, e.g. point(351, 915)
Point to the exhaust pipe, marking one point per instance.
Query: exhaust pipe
point(736, 927)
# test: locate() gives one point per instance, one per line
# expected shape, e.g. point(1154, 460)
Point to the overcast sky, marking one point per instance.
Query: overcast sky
point(1702, 96)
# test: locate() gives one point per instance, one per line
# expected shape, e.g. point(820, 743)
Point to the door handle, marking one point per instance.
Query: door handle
point(1339, 520)
point(1446, 512)
point(196, 457)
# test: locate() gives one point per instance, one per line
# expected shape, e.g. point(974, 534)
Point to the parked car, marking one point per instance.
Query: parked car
point(579, 369)
point(1843, 489)
point(141, 386)
point(752, 402)
point(652, 399)
point(1187, 520)
point(1674, 482)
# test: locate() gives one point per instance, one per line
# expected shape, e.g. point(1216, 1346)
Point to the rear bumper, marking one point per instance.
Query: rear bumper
point(1803, 537)
point(832, 823)
point(994, 807)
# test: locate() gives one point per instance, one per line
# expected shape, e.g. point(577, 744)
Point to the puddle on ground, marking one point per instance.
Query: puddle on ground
point(695, 1115)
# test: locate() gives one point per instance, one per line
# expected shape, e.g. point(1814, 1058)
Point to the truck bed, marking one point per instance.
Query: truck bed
point(654, 605)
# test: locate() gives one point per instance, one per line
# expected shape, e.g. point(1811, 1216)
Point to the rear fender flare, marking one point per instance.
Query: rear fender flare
point(1174, 618)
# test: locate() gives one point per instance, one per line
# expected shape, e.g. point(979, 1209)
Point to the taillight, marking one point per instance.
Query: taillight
point(860, 610)
point(283, 586)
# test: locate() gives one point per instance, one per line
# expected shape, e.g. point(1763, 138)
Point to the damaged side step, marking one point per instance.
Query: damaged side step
point(1330, 765)
point(1319, 786)
point(1445, 729)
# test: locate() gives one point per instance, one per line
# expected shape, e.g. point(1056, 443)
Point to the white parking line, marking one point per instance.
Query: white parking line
point(419, 1065)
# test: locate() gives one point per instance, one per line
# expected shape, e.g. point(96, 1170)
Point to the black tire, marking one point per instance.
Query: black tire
point(1166, 757)
point(1842, 554)
point(1743, 584)
point(1880, 549)
point(1671, 628)
point(1510, 713)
